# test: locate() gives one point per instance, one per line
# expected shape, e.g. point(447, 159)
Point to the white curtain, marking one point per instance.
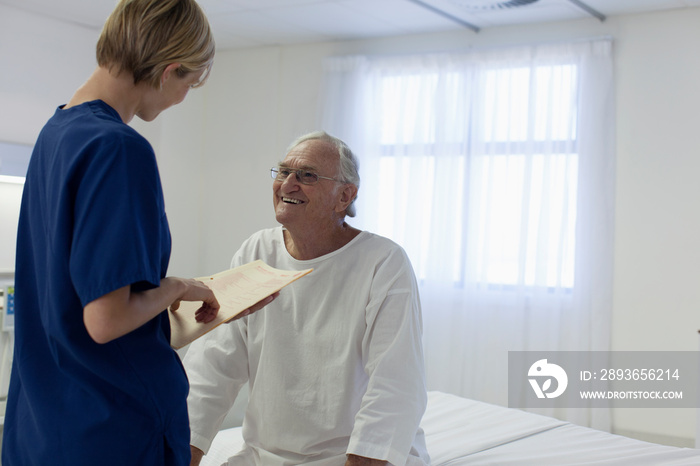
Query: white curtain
point(494, 169)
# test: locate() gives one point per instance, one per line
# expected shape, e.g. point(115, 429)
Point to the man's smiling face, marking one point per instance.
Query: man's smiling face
point(308, 205)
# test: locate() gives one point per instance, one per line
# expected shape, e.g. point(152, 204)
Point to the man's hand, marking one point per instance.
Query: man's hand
point(257, 306)
point(354, 460)
point(197, 455)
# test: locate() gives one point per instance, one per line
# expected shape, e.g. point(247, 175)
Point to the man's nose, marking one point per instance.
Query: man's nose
point(291, 182)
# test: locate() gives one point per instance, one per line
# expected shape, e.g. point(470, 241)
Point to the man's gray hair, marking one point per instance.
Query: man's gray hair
point(349, 165)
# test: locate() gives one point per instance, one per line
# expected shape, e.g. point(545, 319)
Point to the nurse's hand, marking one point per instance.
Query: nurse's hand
point(198, 291)
point(122, 311)
point(256, 307)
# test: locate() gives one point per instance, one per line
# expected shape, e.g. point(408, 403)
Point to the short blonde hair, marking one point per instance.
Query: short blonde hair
point(143, 37)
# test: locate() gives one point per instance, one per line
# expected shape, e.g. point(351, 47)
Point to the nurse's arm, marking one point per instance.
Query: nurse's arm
point(197, 456)
point(122, 311)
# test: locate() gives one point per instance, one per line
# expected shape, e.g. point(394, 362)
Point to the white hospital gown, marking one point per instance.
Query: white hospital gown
point(335, 363)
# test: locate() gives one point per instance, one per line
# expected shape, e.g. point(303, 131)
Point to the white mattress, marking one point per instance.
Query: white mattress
point(459, 431)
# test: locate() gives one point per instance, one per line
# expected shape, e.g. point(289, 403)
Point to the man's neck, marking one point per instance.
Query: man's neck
point(310, 244)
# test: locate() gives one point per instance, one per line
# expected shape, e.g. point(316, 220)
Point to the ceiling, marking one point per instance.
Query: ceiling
point(252, 23)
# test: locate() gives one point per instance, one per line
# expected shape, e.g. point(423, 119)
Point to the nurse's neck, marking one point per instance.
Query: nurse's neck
point(117, 91)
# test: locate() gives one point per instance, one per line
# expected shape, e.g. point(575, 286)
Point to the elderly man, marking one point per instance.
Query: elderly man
point(335, 363)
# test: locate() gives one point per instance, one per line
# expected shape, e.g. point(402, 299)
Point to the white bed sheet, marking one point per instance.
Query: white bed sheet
point(459, 431)
point(456, 427)
point(575, 445)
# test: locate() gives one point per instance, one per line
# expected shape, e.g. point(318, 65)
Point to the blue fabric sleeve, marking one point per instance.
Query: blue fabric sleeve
point(118, 215)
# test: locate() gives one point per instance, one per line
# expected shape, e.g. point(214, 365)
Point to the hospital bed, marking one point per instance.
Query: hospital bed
point(459, 431)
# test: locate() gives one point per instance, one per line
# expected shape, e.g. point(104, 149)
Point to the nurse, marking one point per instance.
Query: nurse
point(94, 380)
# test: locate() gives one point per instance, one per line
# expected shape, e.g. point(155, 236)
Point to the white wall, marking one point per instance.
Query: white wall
point(216, 148)
point(657, 297)
point(43, 62)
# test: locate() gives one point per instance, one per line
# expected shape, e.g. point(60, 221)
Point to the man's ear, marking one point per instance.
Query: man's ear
point(167, 72)
point(347, 195)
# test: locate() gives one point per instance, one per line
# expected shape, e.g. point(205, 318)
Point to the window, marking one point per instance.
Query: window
point(500, 146)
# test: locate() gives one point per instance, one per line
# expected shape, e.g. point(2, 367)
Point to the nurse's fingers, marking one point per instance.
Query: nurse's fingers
point(206, 313)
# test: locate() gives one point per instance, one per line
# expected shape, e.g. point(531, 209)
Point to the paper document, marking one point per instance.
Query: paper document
point(236, 290)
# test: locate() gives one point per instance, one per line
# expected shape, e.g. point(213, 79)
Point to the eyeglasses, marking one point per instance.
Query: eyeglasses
point(303, 176)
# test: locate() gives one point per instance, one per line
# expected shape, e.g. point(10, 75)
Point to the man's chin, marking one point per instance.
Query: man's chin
point(284, 217)
point(280, 217)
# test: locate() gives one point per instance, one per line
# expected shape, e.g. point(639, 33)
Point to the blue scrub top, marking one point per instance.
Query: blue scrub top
point(92, 221)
